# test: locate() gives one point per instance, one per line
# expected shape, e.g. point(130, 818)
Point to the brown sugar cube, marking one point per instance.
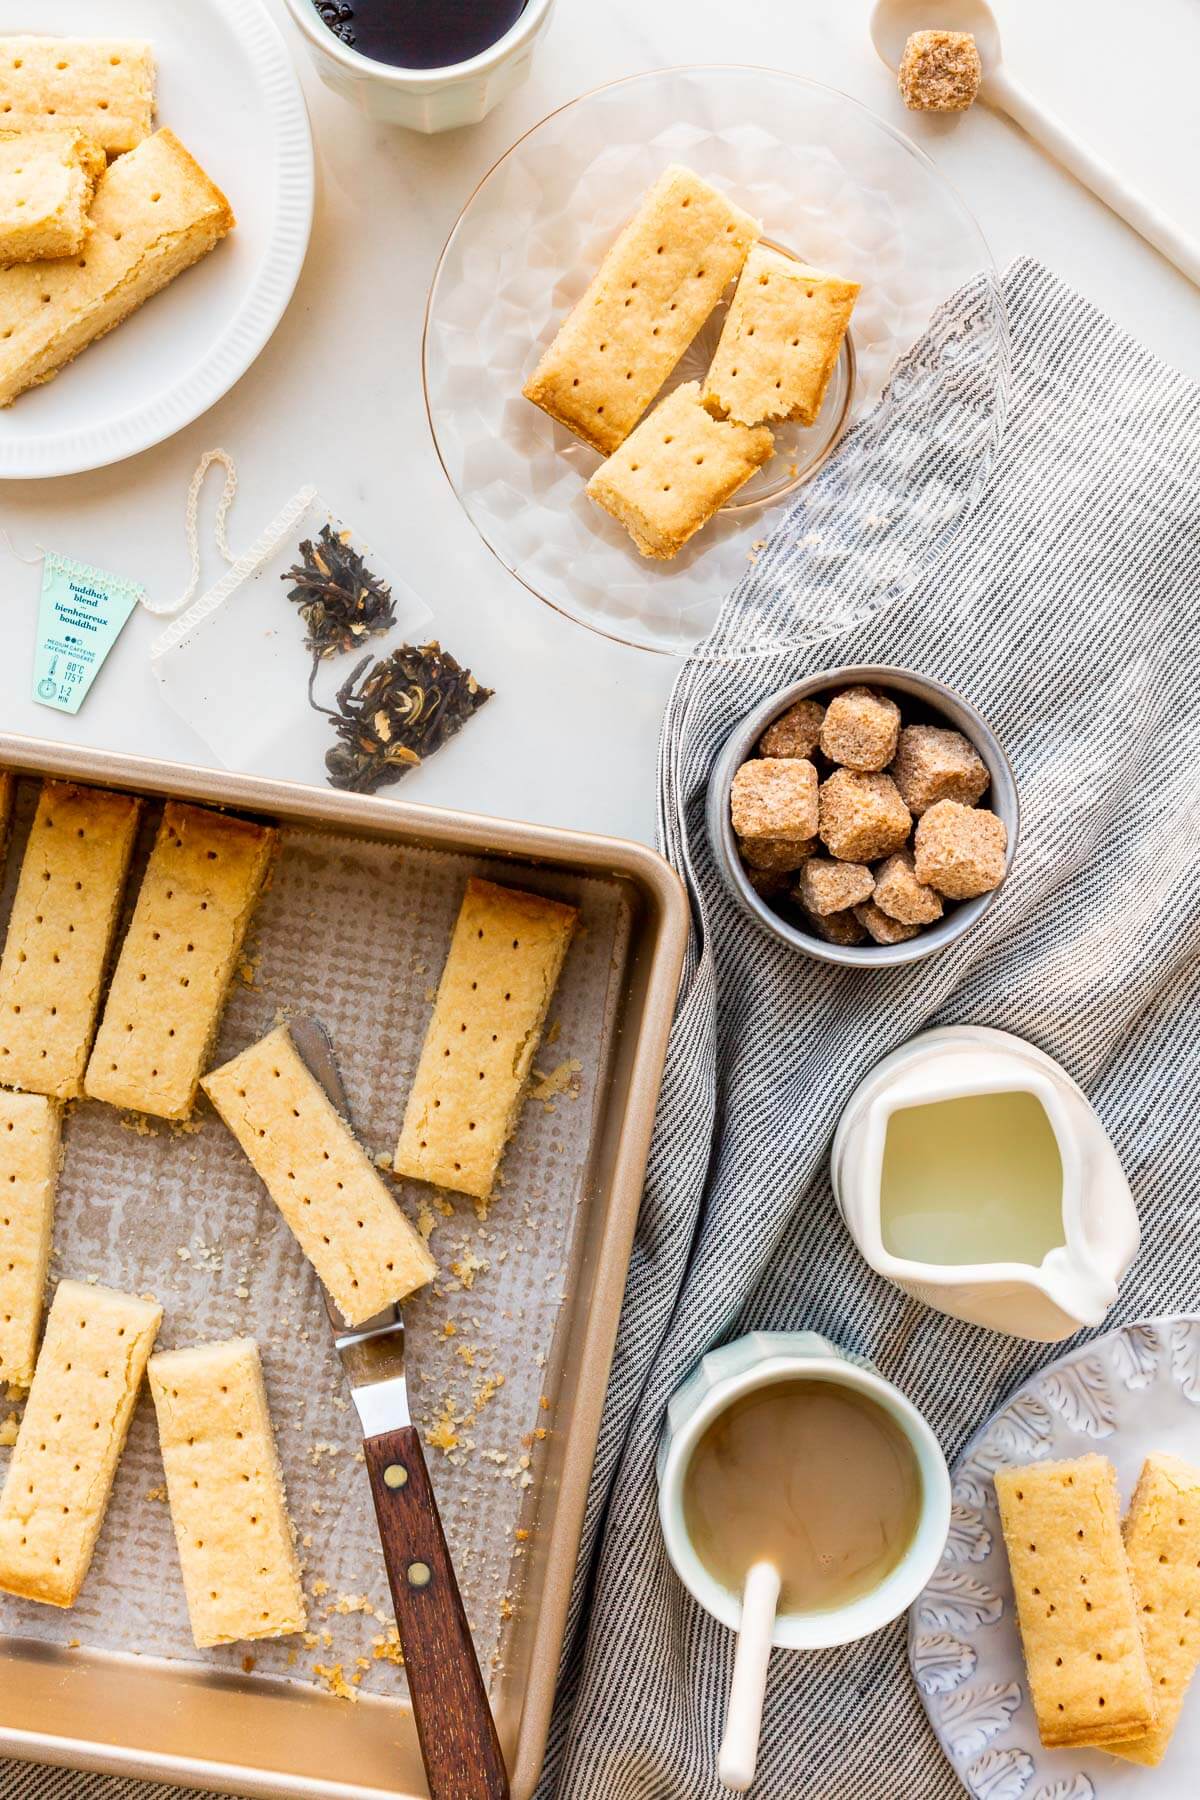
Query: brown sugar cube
point(860, 729)
point(775, 797)
point(960, 850)
point(940, 71)
point(901, 896)
point(933, 763)
point(827, 887)
point(778, 856)
point(769, 884)
point(836, 928)
point(796, 733)
point(862, 817)
point(884, 929)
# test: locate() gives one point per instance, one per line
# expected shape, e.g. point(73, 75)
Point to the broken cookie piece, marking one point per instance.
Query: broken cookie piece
point(675, 471)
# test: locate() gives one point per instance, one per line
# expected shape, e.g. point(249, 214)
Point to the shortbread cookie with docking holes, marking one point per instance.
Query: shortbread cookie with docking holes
point(155, 214)
point(780, 342)
point(648, 299)
point(168, 991)
point(60, 933)
point(1162, 1542)
point(85, 1388)
point(47, 181)
point(327, 1188)
point(225, 1488)
point(675, 471)
point(29, 1162)
point(104, 86)
point(505, 958)
point(1076, 1608)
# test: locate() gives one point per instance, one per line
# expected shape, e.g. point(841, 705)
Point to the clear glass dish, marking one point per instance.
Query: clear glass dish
point(833, 184)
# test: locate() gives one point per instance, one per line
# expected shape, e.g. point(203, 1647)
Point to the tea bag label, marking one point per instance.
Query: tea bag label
point(80, 618)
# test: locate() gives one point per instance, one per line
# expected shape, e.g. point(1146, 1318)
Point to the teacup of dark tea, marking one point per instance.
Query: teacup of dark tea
point(432, 65)
point(804, 1503)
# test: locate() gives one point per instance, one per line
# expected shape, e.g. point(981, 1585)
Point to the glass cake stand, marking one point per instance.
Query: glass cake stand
point(832, 184)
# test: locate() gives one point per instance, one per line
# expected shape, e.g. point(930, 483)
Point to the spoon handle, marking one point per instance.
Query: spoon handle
point(1146, 219)
point(739, 1746)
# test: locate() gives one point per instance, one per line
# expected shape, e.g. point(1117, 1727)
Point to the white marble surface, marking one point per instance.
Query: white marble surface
point(571, 736)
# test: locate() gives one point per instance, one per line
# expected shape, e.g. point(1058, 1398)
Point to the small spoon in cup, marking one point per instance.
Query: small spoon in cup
point(893, 22)
point(743, 1717)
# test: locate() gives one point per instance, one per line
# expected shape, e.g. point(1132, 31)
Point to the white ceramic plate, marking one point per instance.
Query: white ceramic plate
point(832, 183)
point(227, 88)
point(1124, 1395)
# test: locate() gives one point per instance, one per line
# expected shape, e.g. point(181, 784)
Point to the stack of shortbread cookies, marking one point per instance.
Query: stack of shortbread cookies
point(667, 476)
point(85, 239)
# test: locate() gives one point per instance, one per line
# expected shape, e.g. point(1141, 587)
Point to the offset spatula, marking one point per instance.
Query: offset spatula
point(463, 1760)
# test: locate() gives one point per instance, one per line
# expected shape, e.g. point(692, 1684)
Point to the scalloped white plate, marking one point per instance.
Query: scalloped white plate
point(1133, 1391)
point(227, 88)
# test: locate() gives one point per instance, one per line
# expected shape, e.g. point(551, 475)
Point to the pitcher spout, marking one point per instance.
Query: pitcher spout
point(1079, 1289)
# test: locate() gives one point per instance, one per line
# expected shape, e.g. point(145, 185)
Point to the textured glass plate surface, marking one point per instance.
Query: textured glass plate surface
point(1125, 1395)
point(831, 183)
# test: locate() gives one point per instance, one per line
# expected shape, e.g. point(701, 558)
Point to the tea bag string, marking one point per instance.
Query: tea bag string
point(192, 528)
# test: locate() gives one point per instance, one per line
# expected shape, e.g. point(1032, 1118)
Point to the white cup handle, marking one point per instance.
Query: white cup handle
point(743, 1719)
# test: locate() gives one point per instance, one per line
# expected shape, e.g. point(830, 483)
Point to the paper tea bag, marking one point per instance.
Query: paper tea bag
point(236, 667)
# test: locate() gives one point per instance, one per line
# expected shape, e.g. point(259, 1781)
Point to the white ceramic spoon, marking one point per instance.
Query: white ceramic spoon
point(892, 21)
point(743, 1719)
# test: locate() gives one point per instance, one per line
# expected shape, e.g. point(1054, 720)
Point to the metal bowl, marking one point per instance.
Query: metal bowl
point(935, 704)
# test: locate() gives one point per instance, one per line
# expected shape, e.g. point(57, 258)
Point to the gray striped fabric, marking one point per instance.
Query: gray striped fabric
point(1065, 610)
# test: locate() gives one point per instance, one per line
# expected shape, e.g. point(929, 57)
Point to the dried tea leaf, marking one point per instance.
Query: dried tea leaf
point(394, 711)
point(340, 600)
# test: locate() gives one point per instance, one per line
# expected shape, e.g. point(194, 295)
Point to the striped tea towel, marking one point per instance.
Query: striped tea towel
point(1066, 609)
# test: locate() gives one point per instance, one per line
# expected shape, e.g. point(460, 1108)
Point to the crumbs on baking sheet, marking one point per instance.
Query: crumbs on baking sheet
point(332, 1678)
point(468, 1266)
point(158, 1493)
point(565, 1080)
point(8, 1432)
point(386, 1648)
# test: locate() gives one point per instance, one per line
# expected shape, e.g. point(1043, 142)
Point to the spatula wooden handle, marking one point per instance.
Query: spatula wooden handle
point(463, 1759)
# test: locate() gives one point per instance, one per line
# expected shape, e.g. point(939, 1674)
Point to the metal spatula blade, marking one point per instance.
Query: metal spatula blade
point(463, 1759)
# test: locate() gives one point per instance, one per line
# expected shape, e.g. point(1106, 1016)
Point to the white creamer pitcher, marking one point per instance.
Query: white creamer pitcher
point(1075, 1284)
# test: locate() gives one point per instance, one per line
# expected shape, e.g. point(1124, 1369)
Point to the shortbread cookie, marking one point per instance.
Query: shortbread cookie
point(47, 180)
point(168, 990)
point(325, 1185)
point(60, 932)
point(675, 471)
point(104, 86)
point(1162, 1542)
point(155, 214)
point(650, 296)
point(1075, 1602)
point(76, 1419)
point(225, 1486)
point(505, 958)
point(29, 1161)
point(8, 793)
point(781, 340)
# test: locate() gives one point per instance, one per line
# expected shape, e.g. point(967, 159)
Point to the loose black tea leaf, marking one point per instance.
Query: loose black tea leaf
point(341, 602)
point(397, 711)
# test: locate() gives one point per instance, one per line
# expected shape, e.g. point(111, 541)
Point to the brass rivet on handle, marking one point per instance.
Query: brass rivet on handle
point(419, 1574)
point(395, 1475)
